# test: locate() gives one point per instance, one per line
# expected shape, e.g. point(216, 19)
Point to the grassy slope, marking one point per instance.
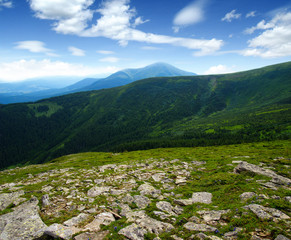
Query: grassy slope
point(157, 112)
point(217, 178)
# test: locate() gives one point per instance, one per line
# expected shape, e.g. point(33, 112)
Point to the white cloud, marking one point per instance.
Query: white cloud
point(35, 47)
point(6, 3)
point(76, 51)
point(219, 69)
point(139, 21)
point(109, 59)
point(149, 48)
point(105, 52)
point(274, 41)
point(191, 14)
point(231, 16)
point(25, 69)
point(117, 21)
point(251, 14)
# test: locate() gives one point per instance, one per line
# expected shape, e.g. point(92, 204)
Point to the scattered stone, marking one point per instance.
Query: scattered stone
point(96, 191)
point(45, 200)
point(181, 180)
point(247, 195)
point(133, 232)
point(281, 237)
point(23, 223)
point(212, 215)
point(233, 233)
point(166, 207)
point(8, 198)
point(59, 231)
point(183, 202)
point(265, 213)
point(77, 220)
point(288, 199)
point(107, 167)
point(158, 177)
point(162, 215)
point(200, 236)
point(202, 197)
point(199, 227)
point(104, 218)
point(146, 189)
point(176, 238)
point(92, 236)
point(141, 201)
point(198, 163)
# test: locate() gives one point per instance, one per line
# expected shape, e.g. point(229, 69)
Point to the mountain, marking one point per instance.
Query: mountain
point(130, 75)
point(117, 79)
point(156, 112)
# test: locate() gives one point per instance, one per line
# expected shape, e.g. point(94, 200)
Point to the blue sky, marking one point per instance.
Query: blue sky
point(47, 38)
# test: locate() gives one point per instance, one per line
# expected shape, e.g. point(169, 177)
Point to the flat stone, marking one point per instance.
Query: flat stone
point(146, 189)
point(59, 231)
point(212, 215)
point(183, 202)
point(77, 220)
point(92, 236)
point(260, 212)
point(133, 232)
point(202, 197)
point(141, 201)
point(23, 223)
point(158, 177)
point(166, 207)
point(96, 191)
point(7, 198)
point(199, 227)
point(281, 237)
point(247, 195)
point(104, 218)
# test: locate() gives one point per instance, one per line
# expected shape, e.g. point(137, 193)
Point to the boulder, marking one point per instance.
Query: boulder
point(96, 191)
point(59, 231)
point(146, 189)
point(76, 220)
point(281, 237)
point(199, 227)
point(7, 198)
point(141, 201)
point(133, 232)
point(23, 223)
point(166, 207)
point(247, 195)
point(202, 197)
point(92, 236)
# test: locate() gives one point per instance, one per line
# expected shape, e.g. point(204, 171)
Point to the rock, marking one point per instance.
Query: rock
point(281, 237)
point(128, 199)
point(8, 198)
point(247, 195)
point(141, 201)
point(104, 218)
point(200, 236)
point(162, 215)
point(158, 177)
point(288, 199)
point(176, 238)
point(77, 220)
point(199, 227)
point(107, 167)
point(45, 200)
point(154, 226)
point(59, 231)
point(92, 236)
point(166, 207)
point(259, 211)
point(133, 232)
point(181, 180)
point(245, 166)
point(178, 210)
point(233, 233)
point(23, 223)
point(183, 202)
point(146, 189)
point(95, 191)
point(202, 197)
point(197, 163)
point(212, 215)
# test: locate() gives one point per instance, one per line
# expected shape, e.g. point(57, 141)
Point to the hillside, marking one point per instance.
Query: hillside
point(157, 112)
point(226, 192)
point(119, 78)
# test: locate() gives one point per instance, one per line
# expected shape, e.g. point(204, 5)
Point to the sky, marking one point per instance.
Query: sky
point(81, 38)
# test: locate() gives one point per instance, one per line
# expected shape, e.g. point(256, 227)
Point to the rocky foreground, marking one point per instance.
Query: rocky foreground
point(150, 199)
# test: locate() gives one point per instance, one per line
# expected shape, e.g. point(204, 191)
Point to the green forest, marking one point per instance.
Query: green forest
point(191, 111)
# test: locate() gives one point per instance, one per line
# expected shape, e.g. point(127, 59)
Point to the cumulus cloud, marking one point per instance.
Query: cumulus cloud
point(6, 3)
point(25, 69)
point(274, 41)
point(109, 59)
point(231, 16)
point(251, 14)
point(34, 47)
point(191, 14)
point(117, 21)
point(76, 51)
point(219, 69)
point(105, 52)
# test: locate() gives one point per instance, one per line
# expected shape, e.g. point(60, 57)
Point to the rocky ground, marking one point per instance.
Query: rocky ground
point(153, 198)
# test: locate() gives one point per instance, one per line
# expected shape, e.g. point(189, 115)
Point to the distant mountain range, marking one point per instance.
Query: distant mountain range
point(155, 112)
point(33, 90)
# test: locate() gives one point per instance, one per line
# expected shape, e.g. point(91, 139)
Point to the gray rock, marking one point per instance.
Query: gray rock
point(104, 218)
point(247, 195)
point(181, 180)
point(7, 198)
point(200, 236)
point(154, 226)
point(146, 189)
point(158, 177)
point(141, 201)
point(178, 210)
point(266, 213)
point(92, 236)
point(202, 197)
point(45, 200)
point(133, 232)
point(59, 231)
point(233, 233)
point(281, 237)
point(96, 191)
point(77, 220)
point(107, 167)
point(183, 202)
point(199, 227)
point(162, 215)
point(166, 207)
point(288, 199)
point(24, 223)
point(212, 215)
point(197, 163)
point(245, 166)
point(128, 199)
